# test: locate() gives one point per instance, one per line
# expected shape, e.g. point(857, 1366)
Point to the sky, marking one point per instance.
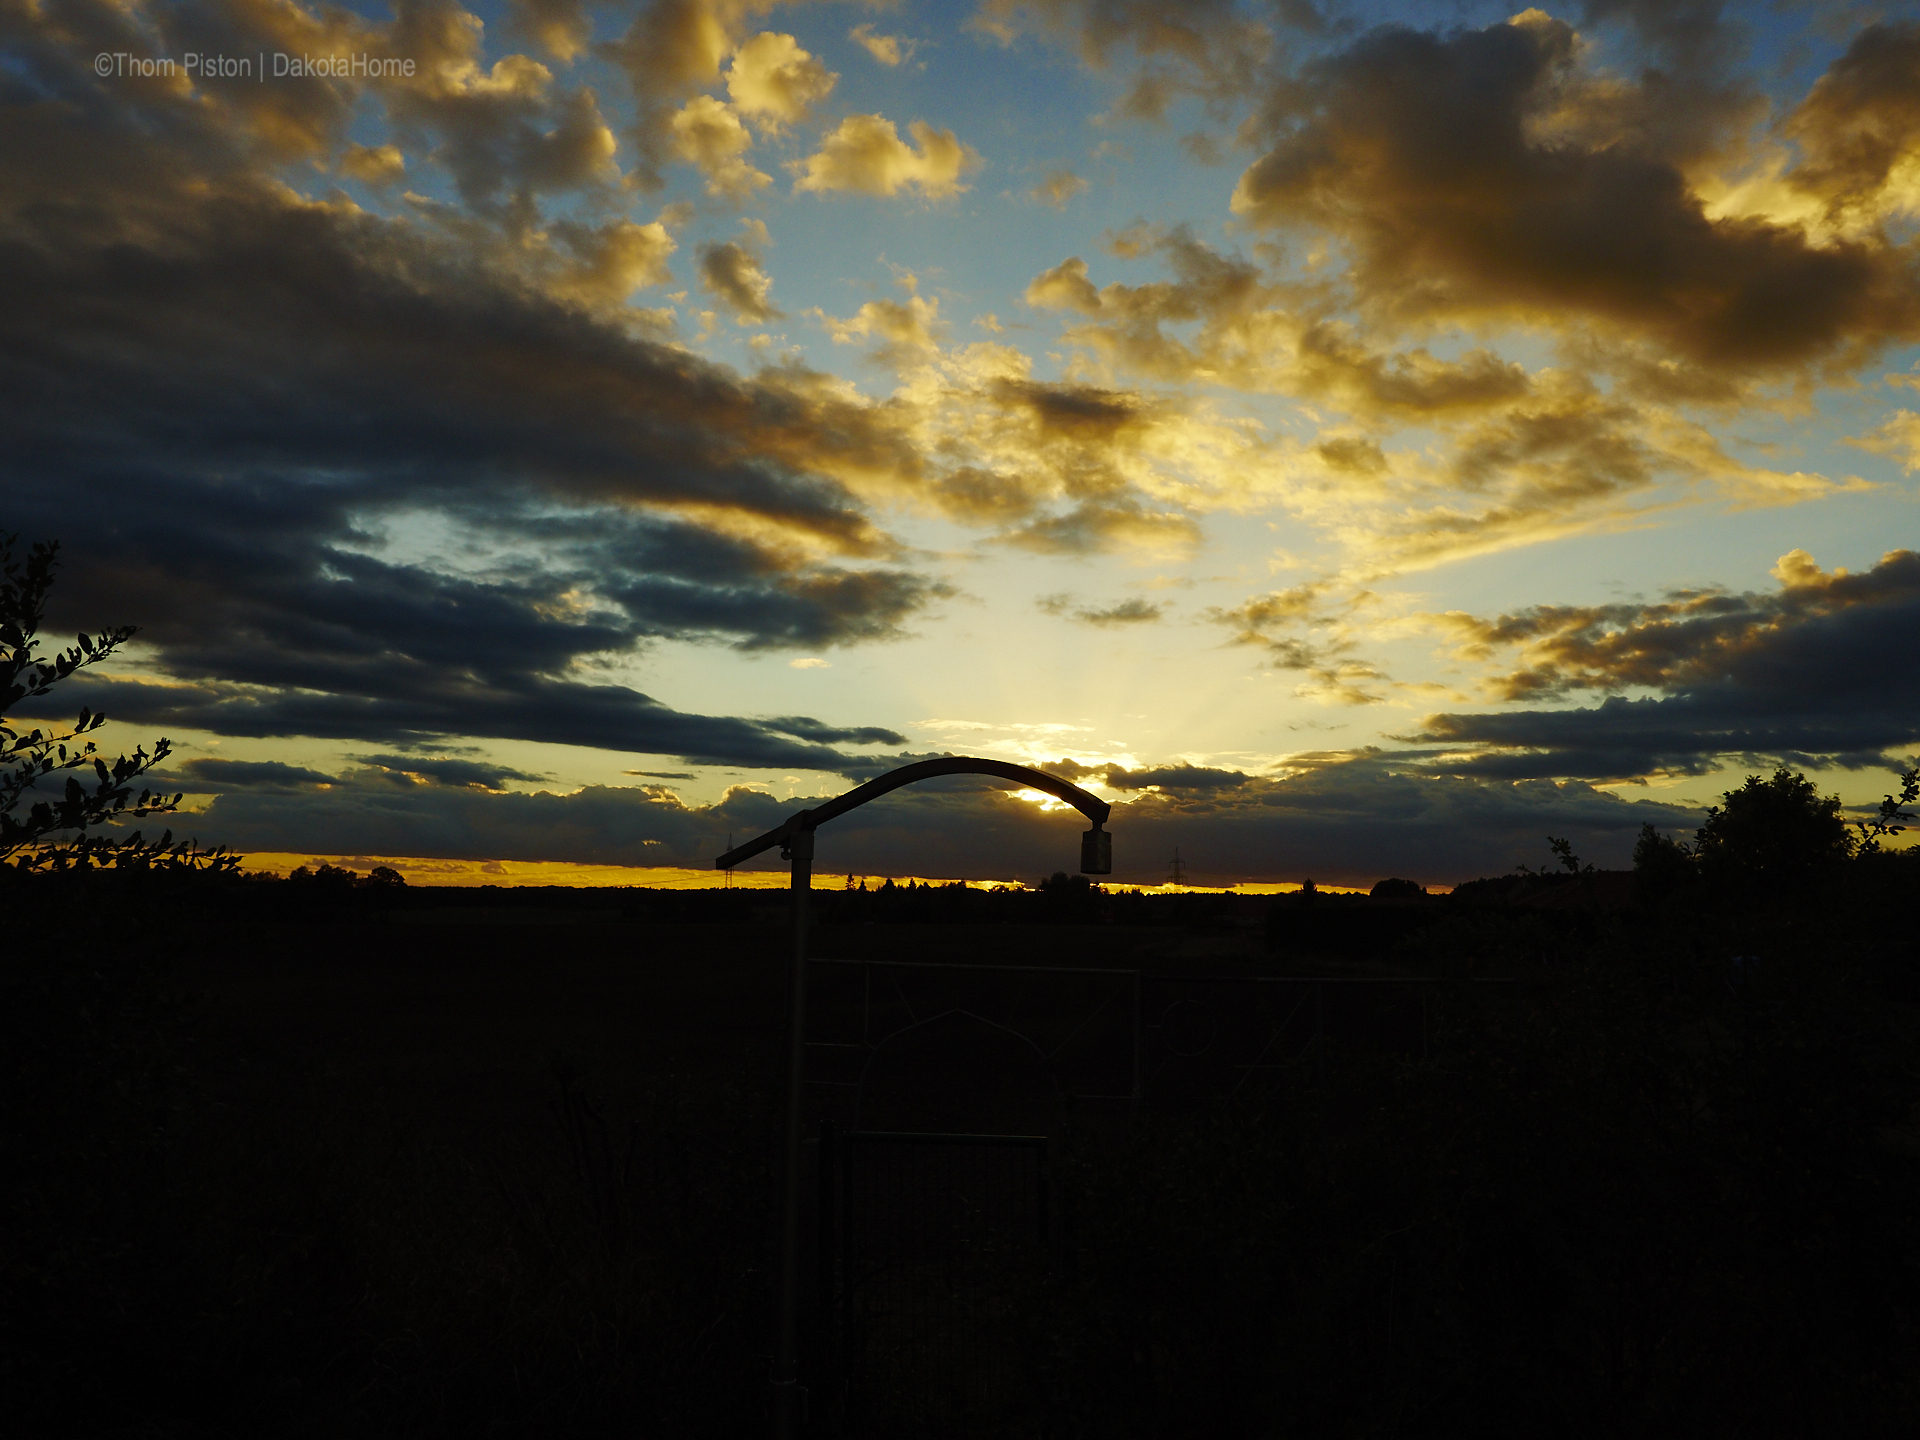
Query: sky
point(554, 437)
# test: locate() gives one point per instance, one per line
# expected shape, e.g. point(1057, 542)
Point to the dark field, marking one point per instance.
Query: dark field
point(503, 1166)
point(456, 1020)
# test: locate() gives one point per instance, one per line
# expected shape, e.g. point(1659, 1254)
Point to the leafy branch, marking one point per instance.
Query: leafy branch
point(1887, 824)
point(29, 757)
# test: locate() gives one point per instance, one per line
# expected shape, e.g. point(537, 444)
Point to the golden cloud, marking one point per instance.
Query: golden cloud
point(906, 329)
point(776, 82)
point(1899, 438)
point(611, 261)
point(865, 154)
point(889, 50)
point(1434, 158)
point(1859, 129)
point(708, 133)
point(1261, 336)
point(673, 49)
point(373, 164)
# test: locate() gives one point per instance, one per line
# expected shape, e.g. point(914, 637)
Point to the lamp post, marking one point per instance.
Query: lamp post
point(794, 836)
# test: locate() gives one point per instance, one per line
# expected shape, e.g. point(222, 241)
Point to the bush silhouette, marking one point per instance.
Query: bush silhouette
point(1397, 889)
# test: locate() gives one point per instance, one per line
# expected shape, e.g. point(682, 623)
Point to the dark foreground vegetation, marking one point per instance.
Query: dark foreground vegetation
point(318, 1158)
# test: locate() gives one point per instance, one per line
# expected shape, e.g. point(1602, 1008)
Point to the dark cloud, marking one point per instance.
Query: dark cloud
point(560, 27)
point(245, 774)
point(1689, 638)
point(417, 709)
point(1485, 175)
point(391, 479)
point(1122, 612)
point(1071, 769)
point(1209, 48)
point(1346, 820)
point(1076, 412)
point(804, 728)
point(448, 770)
point(1824, 671)
point(732, 274)
point(1175, 777)
point(1105, 524)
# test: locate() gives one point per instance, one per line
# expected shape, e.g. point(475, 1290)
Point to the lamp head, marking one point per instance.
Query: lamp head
point(1096, 852)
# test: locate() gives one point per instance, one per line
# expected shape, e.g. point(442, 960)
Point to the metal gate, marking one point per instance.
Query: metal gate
point(925, 1243)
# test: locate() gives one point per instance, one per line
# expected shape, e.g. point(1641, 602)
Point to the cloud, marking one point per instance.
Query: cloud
point(1487, 177)
point(1202, 148)
point(506, 135)
point(1898, 437)
point(1207, 48)
point(1057, 189)
point(1343, 819)
point(678, 42)
point(223, 774)
point(1122, 612)
point(1258, 335)
point(806, 728)
point(671, 50)
point(906, 329)
point(611, 261)
point(1822, 671)
point(1070, 468)
point(866, 155)
point(889, 50)
point(708, 133)
point(1174, 777)
point(1859, 130)
point(396, 478)
point(1519, 457)
point(810, 662)
point(603, 717)
point(1097, 525)
point(731, 273)
point(1691, 637)
point(775, 82)
point(447, 770)
point(373, 164)
point(560, 27)
point(1334, 675)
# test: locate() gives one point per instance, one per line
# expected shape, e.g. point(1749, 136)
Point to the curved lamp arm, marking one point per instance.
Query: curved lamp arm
point(1096, 853)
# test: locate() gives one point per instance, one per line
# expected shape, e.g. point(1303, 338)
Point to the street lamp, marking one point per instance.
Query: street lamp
point(794, 836)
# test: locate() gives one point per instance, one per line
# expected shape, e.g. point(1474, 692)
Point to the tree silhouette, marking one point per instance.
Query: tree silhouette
point(1777, 834)
point(28, 757)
